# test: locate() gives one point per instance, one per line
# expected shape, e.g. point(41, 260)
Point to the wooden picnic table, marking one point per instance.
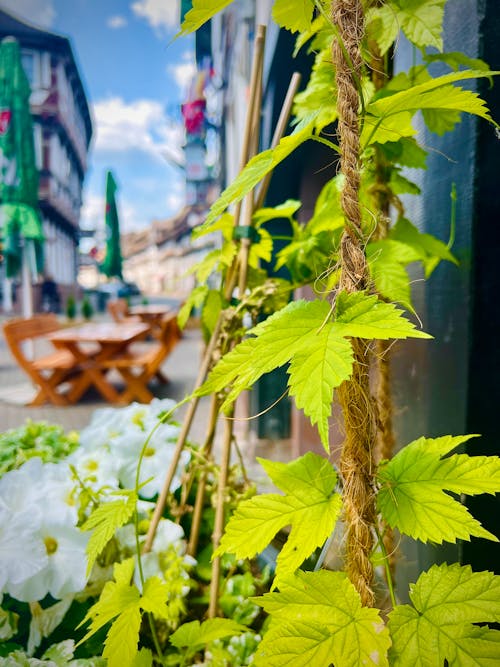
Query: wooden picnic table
point(151, 314)
point(110, 340)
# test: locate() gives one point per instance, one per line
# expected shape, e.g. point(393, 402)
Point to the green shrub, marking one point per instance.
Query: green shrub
point(87, 310)
point(71, 307)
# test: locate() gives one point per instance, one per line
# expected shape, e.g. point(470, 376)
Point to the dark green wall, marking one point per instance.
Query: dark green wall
point(452, 384)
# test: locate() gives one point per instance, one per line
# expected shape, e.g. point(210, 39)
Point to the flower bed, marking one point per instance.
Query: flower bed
point(76, 587)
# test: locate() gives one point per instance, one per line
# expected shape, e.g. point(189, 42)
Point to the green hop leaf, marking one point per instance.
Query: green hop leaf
point(413, 489)
point(309, 505)
point(104, 521)
point(317, 619)
point(448, 600)
point(196, 635)
point(200, 13)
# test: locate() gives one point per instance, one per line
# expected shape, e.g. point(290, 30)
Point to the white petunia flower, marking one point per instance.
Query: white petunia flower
point(167, 532)
point(97, 469)
point(46, 486)
point(155, 463)
point(64, 569)
point(21, 556)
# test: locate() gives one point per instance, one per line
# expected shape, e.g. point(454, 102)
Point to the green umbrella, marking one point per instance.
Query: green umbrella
point(112, 264)
point(19, 217)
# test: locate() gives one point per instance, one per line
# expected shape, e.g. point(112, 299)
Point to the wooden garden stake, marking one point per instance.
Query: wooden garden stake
point(214, 340)
point(219, 514)
point(278, 134)
point(200, 491)
point(356, 463)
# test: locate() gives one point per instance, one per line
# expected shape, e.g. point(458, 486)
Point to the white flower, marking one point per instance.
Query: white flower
point(64, 566)
point(45, 486)
point(21, 556)
point(97, 469)
point(166, 534)
point(155, 463)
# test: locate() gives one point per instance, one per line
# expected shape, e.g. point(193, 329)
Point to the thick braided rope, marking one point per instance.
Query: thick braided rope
point(354, 395)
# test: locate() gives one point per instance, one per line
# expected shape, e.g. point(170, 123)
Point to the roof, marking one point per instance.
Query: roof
point(29, 36)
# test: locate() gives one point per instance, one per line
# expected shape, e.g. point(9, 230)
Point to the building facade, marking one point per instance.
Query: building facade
point(62, 130)
point(158, 259)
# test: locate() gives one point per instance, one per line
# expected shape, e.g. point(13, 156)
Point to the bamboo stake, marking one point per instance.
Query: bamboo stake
point(255, 77)
point(219, 515)
point(200, 492)
point(181, 441)
point(193, 404)
point(248, 202)
point(253, 121)
point(279, 132)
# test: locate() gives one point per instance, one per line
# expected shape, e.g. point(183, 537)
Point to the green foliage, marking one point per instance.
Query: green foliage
point(412, 494)
point(122, 601)
point(318, 620)
point(235, 600)
point(313, 245)
point(195, 299)
point(258, 167)
point(455, 60)
point(389, 118)
point(309, 505)
point(365, 316)
point(303, 331)
point(86, 307)
point(46, 441)
point(267, 213)
point(448, 601)
point(388, 258)
point(195, 635)
point(421, 21)
point(200, 13)
point(104, 521)
point(429, 249)
point(57, 655)
point(295, 17)
point(70, 307)
point(211, 311)
point(320, 93)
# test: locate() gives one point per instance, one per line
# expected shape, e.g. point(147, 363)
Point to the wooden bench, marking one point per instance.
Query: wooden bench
point(47, 371)
point(138, 367)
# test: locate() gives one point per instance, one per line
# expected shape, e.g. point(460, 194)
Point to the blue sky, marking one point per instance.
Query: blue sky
point(135, 77)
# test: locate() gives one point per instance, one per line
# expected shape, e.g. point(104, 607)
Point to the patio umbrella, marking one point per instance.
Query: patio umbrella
point(112, 264)
point(19, 217)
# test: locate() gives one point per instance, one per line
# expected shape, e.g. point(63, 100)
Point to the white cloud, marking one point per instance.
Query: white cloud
point(141, 125)
point(158, 13)
point(39, 12)
point(184, 71)
point(116, 22)
point(92, 216)
point(175, 200)
point(92, 212)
